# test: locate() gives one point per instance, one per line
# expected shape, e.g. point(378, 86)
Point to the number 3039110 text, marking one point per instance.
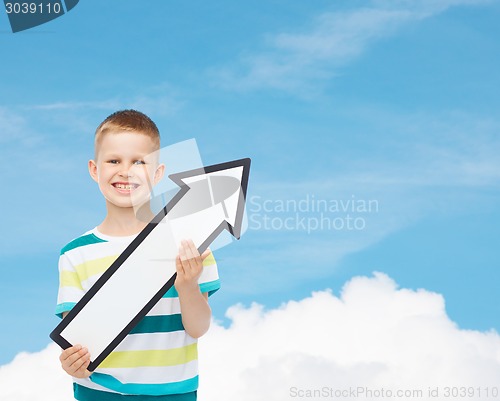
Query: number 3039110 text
point(33, 8)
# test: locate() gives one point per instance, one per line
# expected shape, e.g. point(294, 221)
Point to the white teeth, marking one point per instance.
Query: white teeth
point(126, 187)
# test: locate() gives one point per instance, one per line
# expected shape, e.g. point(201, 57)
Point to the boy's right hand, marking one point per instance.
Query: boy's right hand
point(75, 361)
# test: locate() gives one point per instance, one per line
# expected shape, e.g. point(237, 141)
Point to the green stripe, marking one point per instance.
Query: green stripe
point(87, 394)
point(88, 239)
point(210, 287)
point(171, 293)
point(159, 324)
point(64, 307)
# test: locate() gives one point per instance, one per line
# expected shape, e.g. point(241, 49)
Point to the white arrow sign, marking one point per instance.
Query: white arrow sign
point(211, 199)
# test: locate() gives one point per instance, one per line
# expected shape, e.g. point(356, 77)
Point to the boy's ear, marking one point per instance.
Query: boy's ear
point(160, 171)
point(93, 170)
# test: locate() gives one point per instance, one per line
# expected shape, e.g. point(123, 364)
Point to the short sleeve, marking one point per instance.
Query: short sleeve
point(209, 279)
point(70, 287)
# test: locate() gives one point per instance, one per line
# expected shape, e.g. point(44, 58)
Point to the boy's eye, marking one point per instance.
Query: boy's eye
point(139, 162)
point(113, 161)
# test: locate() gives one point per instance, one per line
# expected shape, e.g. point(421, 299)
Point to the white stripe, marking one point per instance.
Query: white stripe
point(86, 284)
point(153, 375)
point(150, 341)
point(69, 294)
point(166, 306)
point(209, 273)
point(65, 263)
point(95, 251)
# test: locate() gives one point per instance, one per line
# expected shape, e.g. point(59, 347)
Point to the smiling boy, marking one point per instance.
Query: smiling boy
point(157, 361)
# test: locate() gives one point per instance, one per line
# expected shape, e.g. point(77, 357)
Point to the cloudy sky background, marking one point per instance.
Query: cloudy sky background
point(373, 339)
point(390, 101)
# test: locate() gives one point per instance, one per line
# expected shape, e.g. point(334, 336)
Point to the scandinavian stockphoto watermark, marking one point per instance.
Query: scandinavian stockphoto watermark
point(311, 213)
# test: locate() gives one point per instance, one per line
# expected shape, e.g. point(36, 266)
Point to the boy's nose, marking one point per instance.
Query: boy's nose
point(126, 173)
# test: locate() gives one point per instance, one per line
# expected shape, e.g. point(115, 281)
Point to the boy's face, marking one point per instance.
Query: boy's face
point(125, 169)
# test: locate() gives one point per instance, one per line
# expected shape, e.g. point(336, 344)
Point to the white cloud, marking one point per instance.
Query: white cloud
point(373, 336)
point(72, 105)
point(295, 61)
point(428, 7)
point(14, 129)
point(160, 100)
point(35, 376)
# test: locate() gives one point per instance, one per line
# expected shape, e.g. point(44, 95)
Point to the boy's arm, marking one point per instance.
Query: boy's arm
point(195, 311)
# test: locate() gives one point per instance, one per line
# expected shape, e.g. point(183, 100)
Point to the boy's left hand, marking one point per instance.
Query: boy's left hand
point(189, 266)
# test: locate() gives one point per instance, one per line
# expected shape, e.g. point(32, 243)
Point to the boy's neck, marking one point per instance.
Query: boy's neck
point(121, 222)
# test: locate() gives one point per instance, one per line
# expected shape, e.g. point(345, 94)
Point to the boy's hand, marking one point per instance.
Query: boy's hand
point(75, 361)
point(189, 265)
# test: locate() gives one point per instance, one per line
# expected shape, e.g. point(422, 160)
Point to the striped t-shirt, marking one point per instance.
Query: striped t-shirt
point(158, 357)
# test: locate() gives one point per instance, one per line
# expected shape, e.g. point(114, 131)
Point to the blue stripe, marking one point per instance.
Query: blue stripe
point(159, 324)
point(83, 393)
point(210, 287)
point(88, 239)
point(108, 381)
point(64, 307)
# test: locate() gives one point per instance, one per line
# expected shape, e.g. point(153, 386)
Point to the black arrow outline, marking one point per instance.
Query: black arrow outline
point(235, 230)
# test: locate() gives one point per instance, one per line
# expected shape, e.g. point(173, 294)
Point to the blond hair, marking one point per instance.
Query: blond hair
point(128, 120)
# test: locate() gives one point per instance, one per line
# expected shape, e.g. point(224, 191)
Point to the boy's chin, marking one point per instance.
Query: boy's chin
point(143, 211)
point(139, 205)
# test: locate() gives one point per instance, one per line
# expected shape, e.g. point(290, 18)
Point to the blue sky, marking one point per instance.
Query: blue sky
point(393, 101)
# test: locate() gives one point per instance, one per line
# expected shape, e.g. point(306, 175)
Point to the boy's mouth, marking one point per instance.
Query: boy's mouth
point(125, 186)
